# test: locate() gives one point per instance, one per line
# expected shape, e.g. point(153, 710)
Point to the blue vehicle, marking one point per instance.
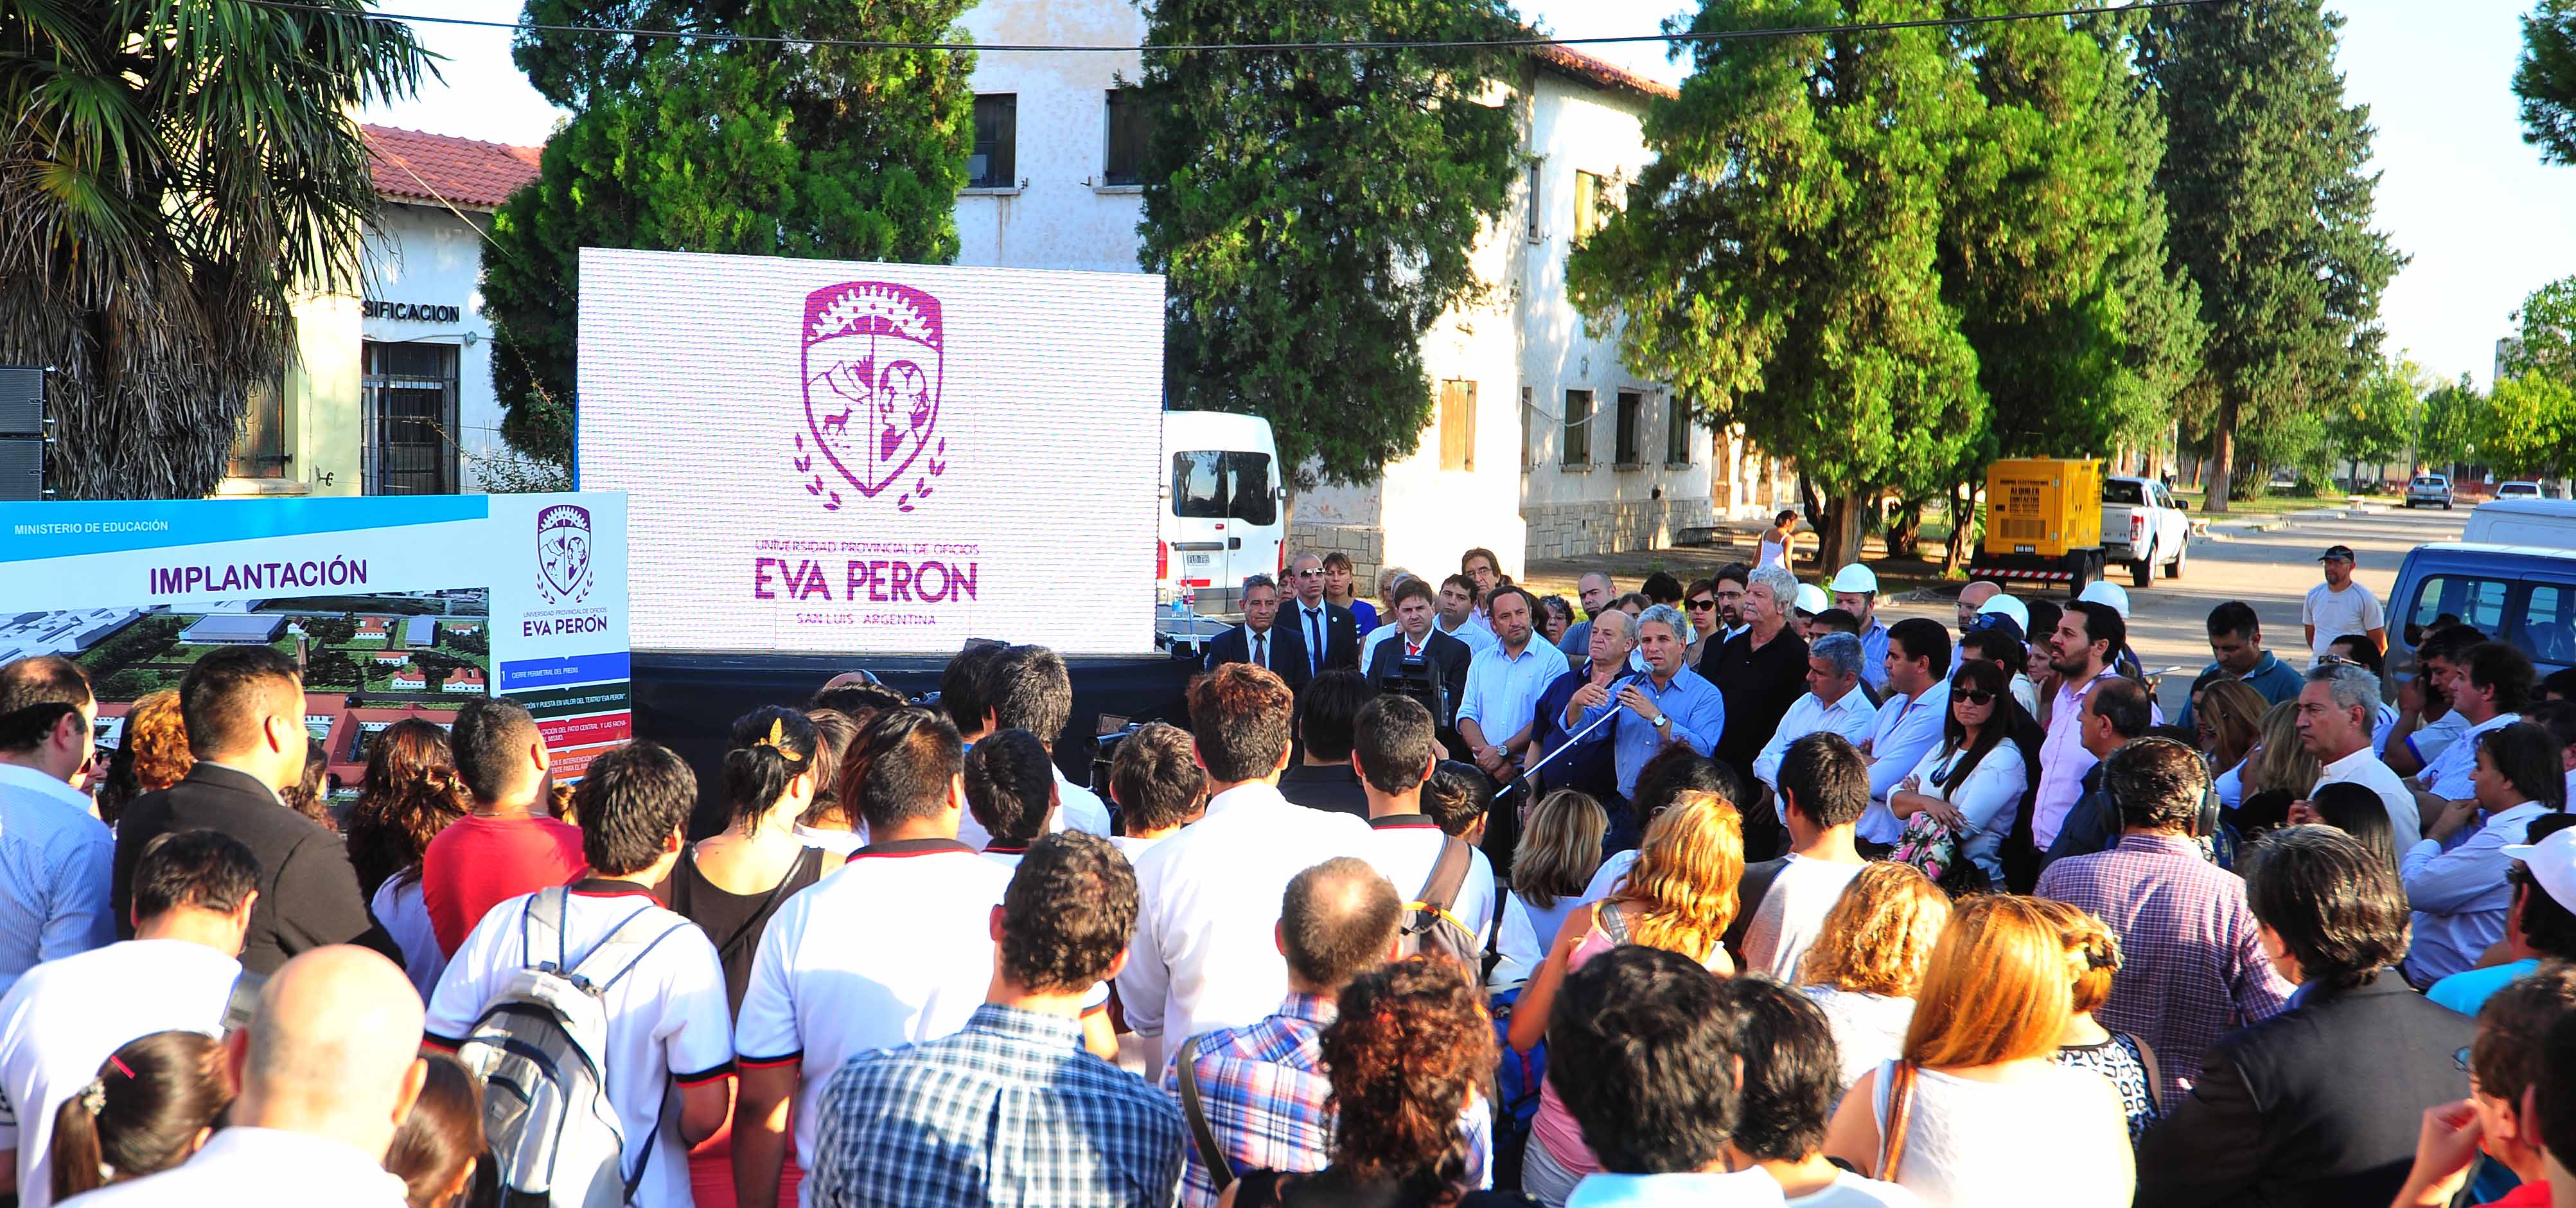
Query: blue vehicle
point(2523, 594)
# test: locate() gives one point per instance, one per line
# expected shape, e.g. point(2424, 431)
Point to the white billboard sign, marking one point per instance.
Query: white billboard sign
point(826, 456)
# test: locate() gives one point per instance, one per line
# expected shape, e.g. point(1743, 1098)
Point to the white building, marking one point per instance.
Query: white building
point(1543, 444)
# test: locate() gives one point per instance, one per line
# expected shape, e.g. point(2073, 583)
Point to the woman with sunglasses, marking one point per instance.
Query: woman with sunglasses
point(1970, 783)
point(1701, 603)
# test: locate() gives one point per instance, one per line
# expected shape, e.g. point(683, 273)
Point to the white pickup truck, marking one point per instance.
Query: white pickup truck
point(2144, 526)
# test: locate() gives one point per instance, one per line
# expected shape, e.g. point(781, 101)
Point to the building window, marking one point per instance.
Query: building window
point(1677, 430)
point(1457, 425)
point(1131, 127)
point(408, 407)
point(1537, 229)
point(1587, 204)
point(994, 164)
point(1529, 429)
point(1578, 428)
point(259, 449)
point(1632, 408)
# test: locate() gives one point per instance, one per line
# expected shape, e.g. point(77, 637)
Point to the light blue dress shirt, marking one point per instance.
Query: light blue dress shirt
point(55, 864)
point(1503, 691)
point(1873, 656)
point(1697, 709)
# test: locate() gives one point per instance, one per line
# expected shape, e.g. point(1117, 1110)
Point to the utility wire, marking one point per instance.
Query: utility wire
point(1535, 40)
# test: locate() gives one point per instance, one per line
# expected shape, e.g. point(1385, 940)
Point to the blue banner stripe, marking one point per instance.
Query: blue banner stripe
point(29, 531)
point(555, 673)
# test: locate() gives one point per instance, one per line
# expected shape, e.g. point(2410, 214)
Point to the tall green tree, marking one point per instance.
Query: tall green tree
point(2546, 340)
point(172, 172)
point(754, 148)
point(1778, 263)
point(2545, 80)
point(2380, 421)
point(2529, 426)
point(1315, 213)
point(2454, 424)
point(2264, 176)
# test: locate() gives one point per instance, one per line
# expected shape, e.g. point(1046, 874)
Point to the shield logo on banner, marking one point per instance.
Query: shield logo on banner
point(873, 367)
point(563, 553)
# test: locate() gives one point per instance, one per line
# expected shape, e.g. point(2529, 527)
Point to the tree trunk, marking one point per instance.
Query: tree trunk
point(1811, 503)
point(1963, 519)
point(2222, 456)
point(1840, 534)
point(1905, 531)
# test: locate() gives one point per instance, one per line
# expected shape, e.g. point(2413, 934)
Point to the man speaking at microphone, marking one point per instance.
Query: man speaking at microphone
point(1669, 703)
point(1587, 769)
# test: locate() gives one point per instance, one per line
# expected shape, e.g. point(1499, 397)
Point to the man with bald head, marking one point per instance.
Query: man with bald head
point(1588, 769)
point(1261, 1085)
point(329, 1067)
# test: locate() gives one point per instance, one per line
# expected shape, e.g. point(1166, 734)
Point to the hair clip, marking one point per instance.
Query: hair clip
point(778, 736)
point(93, 1097)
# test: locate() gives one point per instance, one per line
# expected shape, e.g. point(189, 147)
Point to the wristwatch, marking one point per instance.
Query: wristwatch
point(1663, 721)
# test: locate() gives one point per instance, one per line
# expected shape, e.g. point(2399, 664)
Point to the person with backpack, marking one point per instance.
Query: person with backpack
point(1449, 883)
point(594, 1018)
point(1258, 1095)
point(193, 891)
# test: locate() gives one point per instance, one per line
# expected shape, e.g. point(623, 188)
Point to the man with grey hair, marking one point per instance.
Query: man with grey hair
point(1669, 703)
point(1595, 594)
point(2337, 707)
point(1255, 641)
point(1587, 770)
point(1761, 673)
point(1833, 702)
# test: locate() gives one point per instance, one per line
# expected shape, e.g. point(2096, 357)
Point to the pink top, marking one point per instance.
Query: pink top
point(1555, 1127)
point(2063, 761)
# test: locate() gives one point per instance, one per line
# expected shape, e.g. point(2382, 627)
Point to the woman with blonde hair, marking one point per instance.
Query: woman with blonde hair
point(1975, 1112)
point(2278, 771)
point(1869, 957)
point(1560, 849)
point(2092, 960)
point(1679, 896)
point(2227, 718)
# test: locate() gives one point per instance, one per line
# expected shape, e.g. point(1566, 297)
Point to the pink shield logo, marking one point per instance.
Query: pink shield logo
point(873, 365)
point(563, 553)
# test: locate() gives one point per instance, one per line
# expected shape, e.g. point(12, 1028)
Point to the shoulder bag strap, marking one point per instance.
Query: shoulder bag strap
point(1900, 1113)
point(1448, 875)
point(1612, 923)
point(1220, 1171)
point(243, 1001)
point(768, 905)
point(2147, 1058)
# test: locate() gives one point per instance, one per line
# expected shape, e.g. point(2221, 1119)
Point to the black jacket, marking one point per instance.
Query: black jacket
point(1447, 656)
point(1760, 685)
point(1341, 643)
point(2319, 1105)
point(308, 893)
point(1235, 646)
point(1331, 787)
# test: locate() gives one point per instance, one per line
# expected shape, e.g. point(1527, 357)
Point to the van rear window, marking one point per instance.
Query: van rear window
point(1213, 484)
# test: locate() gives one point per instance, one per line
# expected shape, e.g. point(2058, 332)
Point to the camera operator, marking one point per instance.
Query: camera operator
point(1418, 653)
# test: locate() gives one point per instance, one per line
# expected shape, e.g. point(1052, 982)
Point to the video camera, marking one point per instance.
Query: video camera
point(1414, 676)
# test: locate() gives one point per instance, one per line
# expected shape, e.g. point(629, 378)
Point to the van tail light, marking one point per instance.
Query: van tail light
point(1283, 558)
point(1162, 560)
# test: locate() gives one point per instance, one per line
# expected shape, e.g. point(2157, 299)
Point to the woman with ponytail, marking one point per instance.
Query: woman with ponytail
point(411, 793)
point(439, 1148)
point(2092, 959)
point(152, 1106)
point(730, 883)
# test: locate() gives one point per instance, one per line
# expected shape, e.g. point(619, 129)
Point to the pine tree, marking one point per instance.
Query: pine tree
point(756, 148)
point(1314, 213)
point(2264, 178)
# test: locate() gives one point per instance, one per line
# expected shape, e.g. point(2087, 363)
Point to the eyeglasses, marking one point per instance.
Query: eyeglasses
point(1975, 696)
point(1307, 574)
point(1702, 605)
point(2461, 1059)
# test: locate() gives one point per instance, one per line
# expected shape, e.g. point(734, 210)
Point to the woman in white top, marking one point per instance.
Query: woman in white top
point(1974, 778)
point(1560, 849)
point(1983, 1116)
point(1869, 957)
point(1777, 540)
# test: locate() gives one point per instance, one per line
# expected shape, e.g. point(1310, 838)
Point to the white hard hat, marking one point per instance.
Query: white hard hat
point(1855, 578)
point(1812, 599)
point(2004, 604)
point(2113, 594)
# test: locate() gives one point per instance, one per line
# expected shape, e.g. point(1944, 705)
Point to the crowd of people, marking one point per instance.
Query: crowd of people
point(1726, 893)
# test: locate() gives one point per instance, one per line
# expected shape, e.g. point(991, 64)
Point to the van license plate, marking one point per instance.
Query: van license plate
point(2025, 549)
point(1198, 560)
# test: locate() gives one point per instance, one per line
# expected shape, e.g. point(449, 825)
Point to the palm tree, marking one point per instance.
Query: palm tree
point(172, 174)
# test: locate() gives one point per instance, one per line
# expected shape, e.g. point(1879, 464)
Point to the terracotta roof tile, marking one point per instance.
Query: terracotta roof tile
point(469, 173)
point(1601, 72)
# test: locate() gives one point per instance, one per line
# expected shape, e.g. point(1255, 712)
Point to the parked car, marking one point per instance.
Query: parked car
point(2144, 526)
point(2521, 594)
point(2429, 489)
point(2520, 490)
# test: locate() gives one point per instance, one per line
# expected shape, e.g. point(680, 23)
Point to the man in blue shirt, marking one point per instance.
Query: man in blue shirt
point(1855, 589)
point(1669, 703)
point(2236, 640)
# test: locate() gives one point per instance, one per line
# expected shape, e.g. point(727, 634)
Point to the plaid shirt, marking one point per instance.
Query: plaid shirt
point(1264, 1090)
point(2190, 966)
point(1008, 1111)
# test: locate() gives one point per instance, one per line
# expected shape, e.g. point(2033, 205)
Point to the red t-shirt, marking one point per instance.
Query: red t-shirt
point(478, 863)
point(2529, 1195)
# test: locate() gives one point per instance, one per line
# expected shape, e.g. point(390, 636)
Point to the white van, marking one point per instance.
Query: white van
point(2523, 520)
point(1224, 512)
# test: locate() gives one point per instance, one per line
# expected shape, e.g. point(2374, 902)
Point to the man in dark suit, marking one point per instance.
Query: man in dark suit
point(1327, 717)
point(1256, 640)
point(1315, 634)
point(2321, 1104)
point(244, 711)
point(1417, 637)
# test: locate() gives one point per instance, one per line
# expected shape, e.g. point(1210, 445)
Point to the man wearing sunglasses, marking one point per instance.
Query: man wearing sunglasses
point(54, 892)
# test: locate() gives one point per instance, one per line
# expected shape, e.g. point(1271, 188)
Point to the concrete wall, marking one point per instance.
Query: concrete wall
point(1063, 217)
point(426, 254)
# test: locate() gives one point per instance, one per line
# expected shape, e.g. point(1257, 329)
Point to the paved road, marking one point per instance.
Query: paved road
point(2271, 571)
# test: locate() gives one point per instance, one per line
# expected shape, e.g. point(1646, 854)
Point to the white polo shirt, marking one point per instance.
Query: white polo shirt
point(257, 1168)
point(1076, 809)
point(2447, 775)
point(66, 1017)
point(1405, 847)
point(1851, 715)
point(1478, 638)
point(895, 947)
point(2365, 769)
point(668, 1024)
point(1205, 955)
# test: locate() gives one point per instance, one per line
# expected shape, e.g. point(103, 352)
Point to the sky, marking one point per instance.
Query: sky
point(2485, 221)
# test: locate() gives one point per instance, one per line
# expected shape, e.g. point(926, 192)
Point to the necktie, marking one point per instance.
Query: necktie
point(1412, 649)
point(1261, 650)
point(1314, 641)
